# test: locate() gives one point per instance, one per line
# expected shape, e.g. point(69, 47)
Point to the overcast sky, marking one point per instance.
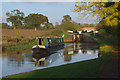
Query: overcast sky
point(53, 10)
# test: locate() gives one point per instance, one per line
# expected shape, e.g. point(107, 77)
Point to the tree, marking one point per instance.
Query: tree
point(85, 25)
point(108, 12)
point(70, 26)
point(91, 25)
point(15, 17)
point(66, 18)
point(5, 25)
point(48, 25)
point(35, 20)
point(79, 24)
point(99, 26)
point(56, 23)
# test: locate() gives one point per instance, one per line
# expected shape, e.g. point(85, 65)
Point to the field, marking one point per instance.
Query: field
point(24, 33)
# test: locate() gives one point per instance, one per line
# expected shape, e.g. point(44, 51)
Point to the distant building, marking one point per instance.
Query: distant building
point(90, 29)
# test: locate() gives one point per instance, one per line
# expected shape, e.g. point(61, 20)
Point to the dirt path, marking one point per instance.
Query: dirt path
point(112, 70)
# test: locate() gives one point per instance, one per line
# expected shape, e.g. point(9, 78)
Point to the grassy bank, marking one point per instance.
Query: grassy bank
point(20, 47)
point(112, 38)
point(104, 38)
point(99, 41)
point(17, 44)
point(66, 34)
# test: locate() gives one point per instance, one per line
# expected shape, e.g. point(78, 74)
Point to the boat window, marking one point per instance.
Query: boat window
point(40, 43)
point(48, 41)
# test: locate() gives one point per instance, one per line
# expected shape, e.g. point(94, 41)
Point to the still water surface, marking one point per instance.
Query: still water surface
point(18, 62)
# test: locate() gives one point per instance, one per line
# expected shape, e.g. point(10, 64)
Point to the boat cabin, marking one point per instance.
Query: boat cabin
point(48, 42)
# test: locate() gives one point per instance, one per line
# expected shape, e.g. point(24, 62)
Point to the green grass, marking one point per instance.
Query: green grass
point(20, 47)
point(109, 37)
point(66, 34)
point(99, 41)
point(85, 69)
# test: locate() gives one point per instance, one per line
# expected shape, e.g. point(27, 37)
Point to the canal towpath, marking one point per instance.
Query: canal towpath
point(111, 69)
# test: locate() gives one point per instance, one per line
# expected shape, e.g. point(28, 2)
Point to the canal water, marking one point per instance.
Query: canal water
point(23, 61)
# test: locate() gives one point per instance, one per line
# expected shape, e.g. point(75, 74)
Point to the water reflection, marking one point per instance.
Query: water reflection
point(77, 49)
point(16, 59)
point(44, 58)
point(22, 61)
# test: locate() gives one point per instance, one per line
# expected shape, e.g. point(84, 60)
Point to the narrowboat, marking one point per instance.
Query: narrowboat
point(49, 44)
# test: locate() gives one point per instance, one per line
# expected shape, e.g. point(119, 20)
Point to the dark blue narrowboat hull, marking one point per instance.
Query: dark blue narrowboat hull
point(49, 49)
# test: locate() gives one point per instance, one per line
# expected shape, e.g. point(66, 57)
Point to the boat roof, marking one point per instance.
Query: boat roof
point(48, 37)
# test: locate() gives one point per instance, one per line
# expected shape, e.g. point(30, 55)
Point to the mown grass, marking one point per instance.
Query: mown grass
point(85, 69)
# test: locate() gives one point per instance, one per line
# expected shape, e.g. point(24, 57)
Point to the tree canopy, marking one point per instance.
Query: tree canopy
point(35, 20)
point(108, 12)
point(15, 17)
point(48, 25)
point(5, 25)
point(66, 18)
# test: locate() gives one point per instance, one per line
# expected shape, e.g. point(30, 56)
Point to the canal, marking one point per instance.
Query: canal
point(23, 61)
